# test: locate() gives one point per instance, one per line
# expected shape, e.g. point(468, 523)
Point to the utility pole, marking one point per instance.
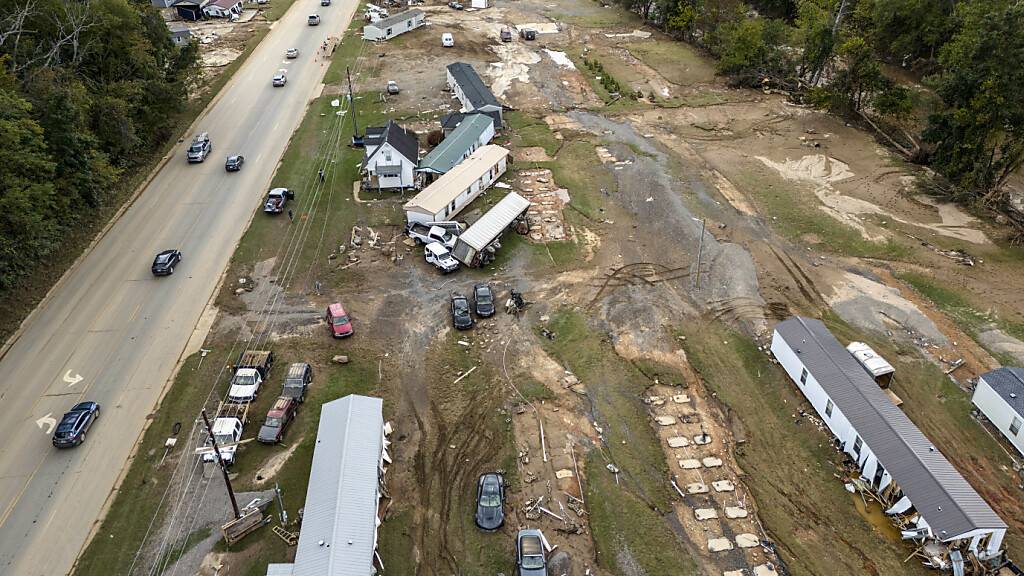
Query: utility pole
point(700, 249)
point(223, 466)
point(352, 105)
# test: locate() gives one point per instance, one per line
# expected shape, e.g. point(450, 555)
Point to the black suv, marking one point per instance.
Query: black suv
point(299, 376)
point(71, 430)
point(234, 163)
point(483, 300)
point(461, 317)
point(164, 263)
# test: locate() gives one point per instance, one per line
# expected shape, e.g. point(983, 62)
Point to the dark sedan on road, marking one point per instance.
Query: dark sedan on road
point(490, 498)
point(234, 163)
point(71, 430)
point(164, 263)
point(461, 317)
point(483, 300)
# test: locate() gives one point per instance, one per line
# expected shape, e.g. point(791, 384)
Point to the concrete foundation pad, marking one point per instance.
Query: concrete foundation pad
point(705, 514)
point(681, 398)
point(719, 544)
point(723, 485)
point(733, 512)
point(747, 540)
point(678, 442)
point(711, 462)
point(665, 420)
point(689, 464)
point(734, 573)
point(765, 570)
point(696, 488)
point(702, 439)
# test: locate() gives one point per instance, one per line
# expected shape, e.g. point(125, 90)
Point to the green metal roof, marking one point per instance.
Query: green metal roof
point(452, 149)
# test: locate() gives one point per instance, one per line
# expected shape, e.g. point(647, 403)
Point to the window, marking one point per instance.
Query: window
point(803, 376)
point(452, 207)
point(387, 155)
point(1015, 426)
point(388, 32)
point(828, 408)
point(408, 24)
point(856, 446)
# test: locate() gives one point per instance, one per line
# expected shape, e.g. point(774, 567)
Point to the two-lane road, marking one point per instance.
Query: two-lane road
point(113, 333)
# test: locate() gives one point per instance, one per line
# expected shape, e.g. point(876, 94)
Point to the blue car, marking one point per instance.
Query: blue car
point(71, 430)
point(490, 498)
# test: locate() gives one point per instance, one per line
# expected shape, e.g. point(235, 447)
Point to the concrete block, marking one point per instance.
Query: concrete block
point(747, 540)
point(689, 464)
point(711, 462)
point(697, 488)
point(719, 544)
point(723, 485)
point(705, 514)
point(665, 420)
point(678, 442)
point(734, 512)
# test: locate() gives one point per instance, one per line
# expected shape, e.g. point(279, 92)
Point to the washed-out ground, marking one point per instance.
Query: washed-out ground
point(633, 401)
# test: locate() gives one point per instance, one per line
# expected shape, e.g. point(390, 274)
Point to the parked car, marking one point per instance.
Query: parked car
point(506, 35)
point(200, 148)
point(393, 87)
point(483, 300)
point(461, 317)
point(164, 263)
point(425, 234)
point(71, 429)
point(490, 500)
point(279, 417)
point(276, 200)
point(527, 33)
point(456, 5)
point(447, 40)
point(298, 378)
point(280, 79)
point(338, 321)
point(313, 20)
point(435, 253)
point(530, 557)
point(234, 163)
point(228, 433)
point(291, 53)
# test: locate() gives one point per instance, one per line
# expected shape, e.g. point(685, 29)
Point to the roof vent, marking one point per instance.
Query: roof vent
point(350, 542)
point(320, 543)
point(931, 448)
point(1013, 394)
point(940, 510)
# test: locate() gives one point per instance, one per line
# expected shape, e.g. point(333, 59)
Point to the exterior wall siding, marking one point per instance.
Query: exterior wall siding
point(998, 412)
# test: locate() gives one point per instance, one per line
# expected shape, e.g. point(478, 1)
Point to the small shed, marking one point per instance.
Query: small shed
point(470, 248)
point(388, 28)
point(999, 395)
point(190, 10)
point(474, 131)
point(223, 8)
point(181, 35)
point(454, 190)
point(471, 91)
point(162, 3)
point(479, 3)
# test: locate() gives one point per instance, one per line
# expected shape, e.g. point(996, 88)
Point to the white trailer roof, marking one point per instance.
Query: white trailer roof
point(869, 359)
point(442, 191)
point(487, 228)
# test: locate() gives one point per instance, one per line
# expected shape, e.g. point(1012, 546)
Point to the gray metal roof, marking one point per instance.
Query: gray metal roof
point(1008, 382)
point(339, 523)
point(385, 23)
point(453, 149)
point(280, 569)
point(478, 94)
point(939, 493)
point(487, 228)
point(402, 140)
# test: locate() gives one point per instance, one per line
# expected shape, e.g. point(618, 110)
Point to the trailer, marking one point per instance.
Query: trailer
point(478, 244)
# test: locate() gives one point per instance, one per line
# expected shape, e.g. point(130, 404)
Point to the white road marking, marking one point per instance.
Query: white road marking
point(47, 422)
point(72, 380)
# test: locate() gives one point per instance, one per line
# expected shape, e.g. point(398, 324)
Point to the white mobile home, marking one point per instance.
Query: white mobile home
point(388, 28)
point(895, 459)
point(454, 190)
point(1000, 397)
point(471, 246)
point(472, 93)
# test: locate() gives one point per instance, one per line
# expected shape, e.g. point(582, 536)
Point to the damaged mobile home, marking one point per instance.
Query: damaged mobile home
point(923, 493)
point(477, 245)
point(340, 517)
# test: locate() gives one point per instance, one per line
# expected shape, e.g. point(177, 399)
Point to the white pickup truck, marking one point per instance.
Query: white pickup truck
point(444, 232)
point(227, 430)
point(436, 254)
point(250, 372)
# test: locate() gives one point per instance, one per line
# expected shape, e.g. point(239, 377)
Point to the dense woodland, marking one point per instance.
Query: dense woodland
point(88, 90)
point(964, 117)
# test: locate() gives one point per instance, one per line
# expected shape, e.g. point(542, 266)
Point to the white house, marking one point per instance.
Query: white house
point(223, 8)
point(479, 4)
point(895, 458)
point(181, 35)
point(1000, 397)
point(472, 93)
point(388, 28)
point(455, 189)
point(391, 156)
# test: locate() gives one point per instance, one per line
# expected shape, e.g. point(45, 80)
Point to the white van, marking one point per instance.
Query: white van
point(447, 40)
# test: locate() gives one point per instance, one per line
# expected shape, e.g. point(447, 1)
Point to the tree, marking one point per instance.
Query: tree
point(906, 31)
point(750, 50)
point(979, 136)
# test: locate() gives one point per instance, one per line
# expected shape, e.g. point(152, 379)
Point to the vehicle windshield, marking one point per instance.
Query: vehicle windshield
point(67, 425)
point(273, 422)
point(490, 500)
point(245, 379)
point(533, 562)
point(197, 147)
point(223, 439)
point(461, 306)
point(340, 320)
point(483, 296)
point(163, 258)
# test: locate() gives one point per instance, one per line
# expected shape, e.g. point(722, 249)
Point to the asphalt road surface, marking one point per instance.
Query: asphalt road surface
point(111, 332)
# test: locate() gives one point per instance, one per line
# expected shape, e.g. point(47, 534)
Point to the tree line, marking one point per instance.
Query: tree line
point(88, 90)
point(837, 54)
